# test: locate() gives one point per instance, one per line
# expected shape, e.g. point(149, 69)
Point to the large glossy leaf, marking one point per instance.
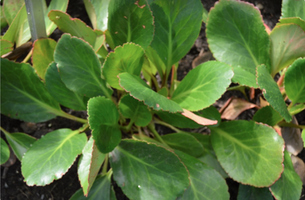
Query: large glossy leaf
point(61, 93)
point(272, 92)
point(177, 25)
point(287, 44)
point(295, 81)
point(147, 171)
point(289, 186)
point(5, 47)
point(77, 28)
point(11, 8)
point(98, 13)
point(43, 50)
point(252, 193)
point(128, 58)
point(14, 31)
point(140, 90)
point(19, 142)
point(203, 85)
point(5, 152)
point(267, 115)
point(206, 183)
point(178, 120)
point(237, 36)
point(50, 157)
point(100, 189)
point(130, 21)
point(250, 153)
point(184, 142)
point(209, 156)
point(103, 120)
point(79, 67)
point(135, 110)
point(293, 8)
point(89, 164)
point(23, 95)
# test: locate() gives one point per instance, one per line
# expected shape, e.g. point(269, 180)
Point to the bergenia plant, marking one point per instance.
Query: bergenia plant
point(123, 73)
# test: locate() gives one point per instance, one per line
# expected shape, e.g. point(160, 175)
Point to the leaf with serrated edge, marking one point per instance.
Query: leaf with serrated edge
point(43, 50)
point(127, 58)
point(272, 92)
point(232, 34)
point(289, 180)
point(104, 125)
point(50, 157)
point(287, 44)
point(140, 90)
point(79, 67)
point(100, 188)
point(203, 85)
point(267, 115)
point(184, 142)
point(295, 81)
point(61, 93)
point(206, 183)
point(19, 142)
point(130, 21)
point(250, 153)
point(176, 28)
point(252, 193)
point(23, 95)
point(89, 165)
point(292, 8)
point(147, 171)
point(135, 110)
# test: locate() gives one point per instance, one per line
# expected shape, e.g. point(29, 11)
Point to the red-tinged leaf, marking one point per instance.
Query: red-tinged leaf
point(293, 138)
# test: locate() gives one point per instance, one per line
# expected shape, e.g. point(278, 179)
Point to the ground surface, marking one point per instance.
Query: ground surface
point(12, 185)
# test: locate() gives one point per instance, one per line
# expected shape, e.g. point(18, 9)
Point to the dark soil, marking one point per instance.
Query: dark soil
point(12, 185)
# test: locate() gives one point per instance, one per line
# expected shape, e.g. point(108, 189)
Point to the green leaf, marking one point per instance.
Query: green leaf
point(205, 15)
point(295, 81)
point(232, 33)
point(89, 164)
point(287, 44)
point(272, 92)
point(184, 142)
point(61, 93)
point(209, 156)
point(296, 109)
point(250, 153)
point(19, 142)
point(206, 183)
point(289, 186)
point(155, 61)
point(51, 156)
point(99, 190)
point(267, 115)
point(177, 25)
point(147, 171)
point(303, 136)
point(43, 50)
point(15, 29)
point(104, 125)
point(292, 8)
point(77, 28)
point(135, 110)
point(80, 70)
point(130, 21)
point(140, 90)
point(128, 58)
point(98, 13)
point(252, 193)
point(3, 22)
point(6, 46)
point(203, 85)
point(5, 152)
point(293, 20)
point(23, 95)
point(11, 8)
